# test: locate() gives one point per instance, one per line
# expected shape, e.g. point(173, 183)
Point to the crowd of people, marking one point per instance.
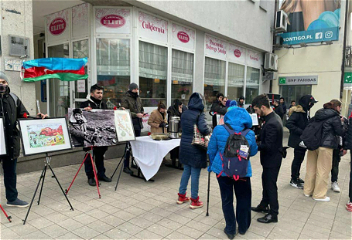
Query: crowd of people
point(233, 141)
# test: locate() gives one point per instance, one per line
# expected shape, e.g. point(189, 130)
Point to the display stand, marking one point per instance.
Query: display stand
point(127, 148)
point(8, 217)
point(41, 179)
point(90, 154)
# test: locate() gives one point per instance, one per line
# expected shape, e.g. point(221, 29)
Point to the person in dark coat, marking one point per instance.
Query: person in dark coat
point(297, 122)
point(319, 162)
point(241, 102)
point(133, 102)
point(348, 145)
point(283, 104)
point(94, 101)
point(217, 108)
point(175, 111)
point(192, 157)
point(279, 110)
point(270, 147)
point(11, 109)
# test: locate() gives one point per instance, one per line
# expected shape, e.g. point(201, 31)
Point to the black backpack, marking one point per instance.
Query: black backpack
point(312, 135)
point(234, 161)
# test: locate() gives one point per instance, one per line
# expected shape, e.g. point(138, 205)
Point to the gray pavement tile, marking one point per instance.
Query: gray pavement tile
point(8, 234)
point(339, 235)
point(124, 215)
point(100, 226)
point(178, 235)
point(97, 213)
point(177, 218)
point(40, 222)
point(84, 219)
point(283, 233)
point(69, 236)
point(37, 235)
point(203, 227)
point(54, 231)
point(135, 210)
point(117, 233)
point(70, 224)
point(130, 228)
point(86, 232)
point(251, 235)
point(169, 224)
point(191, 232)
point(206, 220)
point(146, 234)
point(152, 217)
point(261, 231)
point(113, 220)
point(217, 233)
point(23, 230)
point(56, 217)
point(141, 222)
point(160, 230)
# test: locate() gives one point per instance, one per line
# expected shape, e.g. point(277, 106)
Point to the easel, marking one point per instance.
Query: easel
point(41, 179)
point(8, 217)
point(90, 154)
point(127, 148)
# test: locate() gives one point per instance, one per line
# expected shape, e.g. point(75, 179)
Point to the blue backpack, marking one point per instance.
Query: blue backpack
point(236, 155)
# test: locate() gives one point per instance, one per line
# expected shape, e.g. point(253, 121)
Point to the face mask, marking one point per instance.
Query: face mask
point(3, 88)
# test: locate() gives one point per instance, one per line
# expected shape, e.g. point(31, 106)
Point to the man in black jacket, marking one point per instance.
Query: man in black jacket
point(11, 108)
point(217, 108)
point(270, 147)
point(95, 101)
point(299, 118)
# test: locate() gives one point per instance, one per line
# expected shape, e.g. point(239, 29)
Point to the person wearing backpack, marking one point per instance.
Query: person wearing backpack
point(297, 122)
point(319, 160)
point(192, 157)
point(271, 152)
point(239, 121)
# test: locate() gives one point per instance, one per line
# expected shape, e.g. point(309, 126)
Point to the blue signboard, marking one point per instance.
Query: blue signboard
point(318, 35)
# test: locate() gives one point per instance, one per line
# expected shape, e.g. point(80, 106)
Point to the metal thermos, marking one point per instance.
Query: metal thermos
point(174, 126)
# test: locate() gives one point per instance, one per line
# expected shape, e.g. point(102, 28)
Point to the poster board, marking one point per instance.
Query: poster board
point(44, 135)
point(254, 117)
point(124, 126)
point(2, 138)
point(94, 128)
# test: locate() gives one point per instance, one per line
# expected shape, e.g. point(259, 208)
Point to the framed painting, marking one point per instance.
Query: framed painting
point(124, 126)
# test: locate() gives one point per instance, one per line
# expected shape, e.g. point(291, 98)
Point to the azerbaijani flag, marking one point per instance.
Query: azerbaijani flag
point(65, 69)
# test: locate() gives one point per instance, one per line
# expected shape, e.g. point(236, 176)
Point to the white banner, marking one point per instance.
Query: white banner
point(152, 28)
point(254, 59)
point(80, 20)
point(183, 37)
point(236, 54)
point(215, 47)
point(113, 20)
point(58, 26)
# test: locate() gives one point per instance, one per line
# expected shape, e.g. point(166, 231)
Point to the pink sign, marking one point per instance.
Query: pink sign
point(183, 37)
point(153, 28)
point(237, 53)
point(57, 26)
point(113, 21)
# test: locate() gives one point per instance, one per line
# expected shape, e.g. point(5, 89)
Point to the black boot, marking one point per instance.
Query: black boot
point(127, 170)
point(267, 219)
point(230, 236)
point(104, 179)
point(91, 182)
point(260, 209)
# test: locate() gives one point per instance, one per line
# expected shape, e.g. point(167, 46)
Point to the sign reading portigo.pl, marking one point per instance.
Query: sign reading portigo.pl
point(319, 35)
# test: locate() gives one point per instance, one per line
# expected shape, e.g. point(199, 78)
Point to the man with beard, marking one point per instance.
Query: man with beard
point(299, 118)
point(133, 102)
point(270, 147)
point(217, 108)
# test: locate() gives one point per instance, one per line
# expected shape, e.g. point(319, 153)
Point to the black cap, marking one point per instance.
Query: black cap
point(133, 86)
point(241, 98)
point(77, 110)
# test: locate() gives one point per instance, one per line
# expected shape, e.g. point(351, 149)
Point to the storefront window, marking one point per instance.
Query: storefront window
point(152, 74)
point(81, 50)
point(59, 91)
point(252, 84)
point(291, 92)
point(182, 76)
point(214, 79)
point(113, 69)
point(235, 81)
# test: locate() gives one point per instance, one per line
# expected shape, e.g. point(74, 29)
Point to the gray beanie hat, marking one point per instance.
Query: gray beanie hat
point(133, 86)
point(3, 76)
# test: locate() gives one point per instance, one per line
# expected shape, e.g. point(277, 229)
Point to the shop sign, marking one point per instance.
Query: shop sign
point(80, 19)
point(183, 36)
point(152, 28)
point(347, 80)
point(253, 58)
point(215, 47)
point(298, 80)
point(57, 26)
point(113, 20)
point(237, 54)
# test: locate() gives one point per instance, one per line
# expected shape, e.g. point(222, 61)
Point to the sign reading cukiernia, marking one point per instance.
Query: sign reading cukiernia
point(298, 80)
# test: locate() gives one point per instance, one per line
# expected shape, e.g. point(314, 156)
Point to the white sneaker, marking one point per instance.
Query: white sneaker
point(307, 195)
point(335, 187)
point(326, 199)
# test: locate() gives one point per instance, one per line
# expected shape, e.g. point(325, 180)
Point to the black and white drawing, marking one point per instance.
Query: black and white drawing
point(92, 128)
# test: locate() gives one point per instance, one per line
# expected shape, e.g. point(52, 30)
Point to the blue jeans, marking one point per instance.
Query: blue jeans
point(243, 192)
point(194, 173)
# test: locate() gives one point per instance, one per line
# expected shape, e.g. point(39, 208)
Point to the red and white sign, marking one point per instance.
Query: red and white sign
point(237, 54)
point(57, 26)
point(215, 47)
point(254, 58)
point(183, 37)
point(113, 20)
point(152, 28)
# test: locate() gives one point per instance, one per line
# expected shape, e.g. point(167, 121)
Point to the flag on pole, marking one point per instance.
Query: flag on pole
point(65, 69)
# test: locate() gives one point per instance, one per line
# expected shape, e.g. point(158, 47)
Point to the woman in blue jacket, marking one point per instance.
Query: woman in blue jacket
point(238, 119)
point(192, 157)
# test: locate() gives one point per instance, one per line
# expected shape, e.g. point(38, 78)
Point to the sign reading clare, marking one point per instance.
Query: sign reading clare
point(298, 80)
point(113, 20)
point(152, 28)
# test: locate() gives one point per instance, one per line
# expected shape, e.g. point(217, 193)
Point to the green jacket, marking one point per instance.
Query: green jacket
point(134, 104)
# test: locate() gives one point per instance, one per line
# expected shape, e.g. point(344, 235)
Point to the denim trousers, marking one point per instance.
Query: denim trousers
point(10, 178)
point(194, 173)
point(243, 193)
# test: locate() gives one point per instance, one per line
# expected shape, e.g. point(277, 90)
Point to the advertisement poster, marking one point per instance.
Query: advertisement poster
point(113, 20)
point(311, 21)
point(183, 37)
point(215, 47)
point(58, 25)
point(151, 27)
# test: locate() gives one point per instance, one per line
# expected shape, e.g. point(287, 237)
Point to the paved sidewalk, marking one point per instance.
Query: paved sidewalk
point(146, 210)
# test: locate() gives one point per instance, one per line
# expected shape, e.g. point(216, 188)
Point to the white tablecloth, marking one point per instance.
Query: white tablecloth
point(149, 153)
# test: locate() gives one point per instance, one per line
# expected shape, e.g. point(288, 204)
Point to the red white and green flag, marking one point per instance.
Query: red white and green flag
point(65, 69)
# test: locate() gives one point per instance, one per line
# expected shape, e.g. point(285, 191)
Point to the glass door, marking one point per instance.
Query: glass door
point(80, 87)
point(59, 91)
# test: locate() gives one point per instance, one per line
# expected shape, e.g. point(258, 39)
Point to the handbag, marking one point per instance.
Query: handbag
point(199, 139)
